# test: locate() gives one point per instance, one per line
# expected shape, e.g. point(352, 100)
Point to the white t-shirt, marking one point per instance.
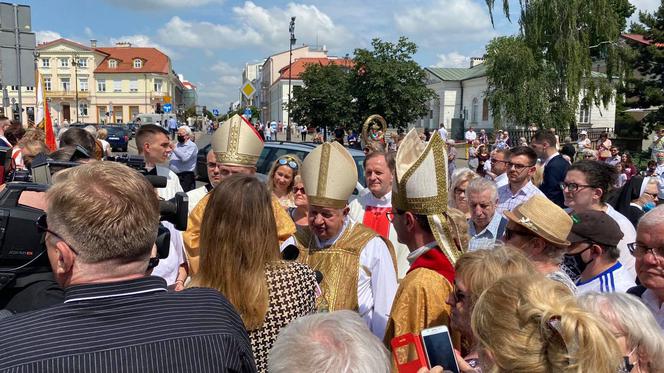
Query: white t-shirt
point(470, 135)
point(657, 307)
point(443, 133)
point(615, 279)
point(168, 268)
point(629, 237)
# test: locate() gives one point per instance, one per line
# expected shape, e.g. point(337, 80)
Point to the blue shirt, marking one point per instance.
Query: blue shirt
point(183, 157)
point(489, 235)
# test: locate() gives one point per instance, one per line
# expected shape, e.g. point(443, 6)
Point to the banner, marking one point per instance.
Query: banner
point(43, 114)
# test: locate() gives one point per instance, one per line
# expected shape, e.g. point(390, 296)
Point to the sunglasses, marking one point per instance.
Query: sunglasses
point(42, 227)
point(298, 190)
point(287, 161)
point(511, 233)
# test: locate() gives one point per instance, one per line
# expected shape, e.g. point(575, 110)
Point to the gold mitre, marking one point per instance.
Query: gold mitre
point(421, 186)
point(237, 143)
point(329, 175)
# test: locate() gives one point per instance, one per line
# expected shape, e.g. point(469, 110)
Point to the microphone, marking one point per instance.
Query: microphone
point(319, 276)
point(290, 252)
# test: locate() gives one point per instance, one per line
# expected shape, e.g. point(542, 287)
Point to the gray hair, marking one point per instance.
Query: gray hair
point(626, 314)
point(187, 130)
point(337, 341)
point(459, 176)
point(92, 130)
point(480, 184)
point(653, 217)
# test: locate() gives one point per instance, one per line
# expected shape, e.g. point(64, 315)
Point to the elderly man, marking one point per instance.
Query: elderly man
point(422, 221)
point(371, 208)
point(152, 142)
point(649, 254)
point(237, 147)
point(520, 170)
point(593, 254)
point(358, 265)
point(540, 228)
point(107, 322)
point(214, 177)
point(183, 159)
point(555, 166)
point(485, 225)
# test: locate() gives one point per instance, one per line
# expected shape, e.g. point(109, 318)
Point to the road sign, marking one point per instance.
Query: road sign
point(247, 112)
point(167, 99)
point(248, 90)
point(167, 108)
point(215, 112)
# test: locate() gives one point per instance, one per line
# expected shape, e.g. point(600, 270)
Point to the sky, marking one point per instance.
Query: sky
point(210, 41)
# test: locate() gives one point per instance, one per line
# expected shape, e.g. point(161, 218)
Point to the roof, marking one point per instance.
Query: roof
point(189, 85)
point(154, 61)
point(458, 73)
point(63, 41)
point(640, 39)
point(300, 64)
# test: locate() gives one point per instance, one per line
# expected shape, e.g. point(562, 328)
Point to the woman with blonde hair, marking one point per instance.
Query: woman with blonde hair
point(634, 327)
point(531, 324)
point(299, 213)
point(102, 134)
point(457, 194)
point(281, 177)
point(240, 258)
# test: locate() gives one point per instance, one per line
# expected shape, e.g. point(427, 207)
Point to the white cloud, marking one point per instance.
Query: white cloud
point(88, 32)
point(258, 26)
point(452, 59)
point(222, 87)
point(161, 4)
point(140, 40)
point(46, 36)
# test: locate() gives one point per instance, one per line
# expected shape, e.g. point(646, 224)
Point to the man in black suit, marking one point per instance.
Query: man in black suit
point(555, 166)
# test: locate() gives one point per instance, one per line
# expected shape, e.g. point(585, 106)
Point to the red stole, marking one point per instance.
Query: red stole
point(435, 260)
point(376, 219)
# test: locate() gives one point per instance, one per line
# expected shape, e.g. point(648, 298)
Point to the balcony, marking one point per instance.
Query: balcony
point(67, 94)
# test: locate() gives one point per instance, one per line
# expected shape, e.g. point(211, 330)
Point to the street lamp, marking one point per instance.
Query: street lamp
point(291, 29)
point(75, 63)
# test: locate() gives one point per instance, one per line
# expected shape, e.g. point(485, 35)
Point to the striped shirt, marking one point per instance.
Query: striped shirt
point(128, 326)
point(614, 279)
point(508, 201)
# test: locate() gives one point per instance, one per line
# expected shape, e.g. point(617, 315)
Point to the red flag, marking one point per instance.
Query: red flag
point(48, 128)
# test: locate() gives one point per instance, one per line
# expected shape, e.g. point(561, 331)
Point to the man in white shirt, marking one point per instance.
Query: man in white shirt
point(152, 142)
point(443, 132)
point(499, 159)
point(357, 264)
point(486, 225)
point(593, 254)
point(521, 168)
point(470, 135)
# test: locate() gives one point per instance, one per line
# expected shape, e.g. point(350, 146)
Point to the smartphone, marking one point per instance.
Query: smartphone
point(438, 348)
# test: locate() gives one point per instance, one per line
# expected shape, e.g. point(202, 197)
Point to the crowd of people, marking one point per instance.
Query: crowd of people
point(535, 260)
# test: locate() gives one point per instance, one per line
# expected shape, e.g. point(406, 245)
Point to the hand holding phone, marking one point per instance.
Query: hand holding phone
point(438, 348)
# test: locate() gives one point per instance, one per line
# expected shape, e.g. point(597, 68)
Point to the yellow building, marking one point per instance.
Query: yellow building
point(105, 84)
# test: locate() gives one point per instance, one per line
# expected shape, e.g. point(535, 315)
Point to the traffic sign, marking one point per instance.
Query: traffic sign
point(248, 90)
point(215, 112)
point(167, 108)
point(247, 112)
point(167, 99)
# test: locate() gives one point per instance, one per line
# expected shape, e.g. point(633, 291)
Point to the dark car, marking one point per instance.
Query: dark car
point(118, 137)
point(275, 149)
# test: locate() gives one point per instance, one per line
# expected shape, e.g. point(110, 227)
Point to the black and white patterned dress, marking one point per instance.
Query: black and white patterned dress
point(292, 289)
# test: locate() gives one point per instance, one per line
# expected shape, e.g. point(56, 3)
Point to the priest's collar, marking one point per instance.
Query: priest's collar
point(420, 251)
point(331, 241)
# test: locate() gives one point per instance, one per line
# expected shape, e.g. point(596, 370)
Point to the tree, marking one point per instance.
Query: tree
point(561, 39)
point(325, 98)
point(387, 81)
point(646, 89)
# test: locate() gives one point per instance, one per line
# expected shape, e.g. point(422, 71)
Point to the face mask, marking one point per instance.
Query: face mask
point(648, 206)
point(575, 263)
point(180, 138)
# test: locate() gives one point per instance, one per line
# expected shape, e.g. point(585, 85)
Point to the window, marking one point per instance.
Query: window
point(83, 62)
point(83, 84)
point(83, 109)
point(473, 111)
point(13, 88)
point(117, 86)
point(64, 62)
point(133, 85)
point(584, 113)
point(485, 110)
point(138, 63)
point(112, 64)
point(66, 85)
point(47, 83)
point(30, 89)
point(157, 85)
point(101, 85)
point(46, 62)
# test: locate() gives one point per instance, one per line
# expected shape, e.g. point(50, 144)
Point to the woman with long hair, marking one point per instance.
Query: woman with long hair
point(240, 258)
point(281, 178)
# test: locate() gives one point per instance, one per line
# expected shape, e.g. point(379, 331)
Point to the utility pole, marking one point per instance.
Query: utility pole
point(75, 64)
point(291, 29)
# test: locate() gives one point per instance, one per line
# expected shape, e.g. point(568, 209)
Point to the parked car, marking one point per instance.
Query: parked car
point(118, 137)
point(276, 149)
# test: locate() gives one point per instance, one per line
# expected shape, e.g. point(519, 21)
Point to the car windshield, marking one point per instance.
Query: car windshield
point(115, 131)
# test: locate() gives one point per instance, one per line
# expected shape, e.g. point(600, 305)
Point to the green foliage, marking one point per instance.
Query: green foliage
point(559, 40)
point(387, 81)
point(325, 99)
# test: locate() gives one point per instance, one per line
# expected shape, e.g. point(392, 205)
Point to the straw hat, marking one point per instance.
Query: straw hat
point(329, 174)
point(236, 143)
point(544, 219)
point(420, 187)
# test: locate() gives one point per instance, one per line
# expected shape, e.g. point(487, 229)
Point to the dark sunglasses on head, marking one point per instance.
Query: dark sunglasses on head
point(42, 227)
point(288, 162)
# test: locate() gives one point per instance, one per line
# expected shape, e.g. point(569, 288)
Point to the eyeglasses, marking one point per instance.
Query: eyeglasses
point(459, 191)
point(298, 190)
point(458, 295)
point(653, 195)
point(518, 167)
point(213, 165)
point(288, 161)
point(573, 187)
point(588, 156)
point(639, 251)
point(494, 160)
point(390, 214)
point(42, 227)
point(511, 233)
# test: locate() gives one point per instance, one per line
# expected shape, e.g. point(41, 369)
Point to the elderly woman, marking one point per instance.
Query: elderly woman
point(634, 327)
point(281, 178)
point(299, 213)
point(457, 194)
point(102, 135)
